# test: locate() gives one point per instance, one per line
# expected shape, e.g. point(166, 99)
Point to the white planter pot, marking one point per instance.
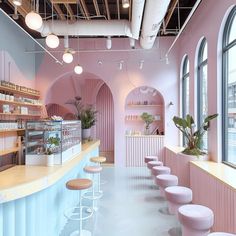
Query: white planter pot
point(50, 160)
point(86, 133)
point(183, 167)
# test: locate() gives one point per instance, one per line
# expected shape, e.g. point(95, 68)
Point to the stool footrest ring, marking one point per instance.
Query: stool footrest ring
point(89, 195)
point(73, 213)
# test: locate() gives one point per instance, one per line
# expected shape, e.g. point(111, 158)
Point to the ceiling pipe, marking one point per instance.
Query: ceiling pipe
point(137, 15)
point(155, 11)
point(87, 28)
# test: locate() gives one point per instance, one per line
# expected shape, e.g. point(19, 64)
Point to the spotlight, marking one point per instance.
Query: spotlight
point(121, 65)
point(67, 57)
point(52, 41)
point(132, 43)
point(141, 64)
point(33, 20)
point(78, 69)
point(125, 3)
point(108, 42)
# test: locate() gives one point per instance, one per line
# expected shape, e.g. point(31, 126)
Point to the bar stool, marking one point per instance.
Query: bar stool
point(221, 234)
point(82, 212)
point(196, 220)
point(164, 181)
point(93, 195)
point(161, 170)
point(176, 197)
point(150, 158)
point(99, 160)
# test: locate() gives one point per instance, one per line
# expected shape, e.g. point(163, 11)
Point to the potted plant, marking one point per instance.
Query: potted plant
point(88, 119)
point(148, 119)
point(87, 115)
point(51, 144)
point(193, 136)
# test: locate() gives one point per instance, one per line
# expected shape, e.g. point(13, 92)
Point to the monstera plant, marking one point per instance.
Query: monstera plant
point(194, 137)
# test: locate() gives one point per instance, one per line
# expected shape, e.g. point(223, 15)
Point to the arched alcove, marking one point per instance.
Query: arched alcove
point(144, 99)
point(105, 122)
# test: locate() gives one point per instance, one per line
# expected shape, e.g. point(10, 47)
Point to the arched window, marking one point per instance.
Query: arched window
point(202, 108)
point(229, 90)
point(185, 87)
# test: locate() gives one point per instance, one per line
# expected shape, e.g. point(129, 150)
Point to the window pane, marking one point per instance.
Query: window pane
point(187, 67)
point(204, 102)
point(232, 34)
point(231, 113)
point(204, 55)
point(187, 96)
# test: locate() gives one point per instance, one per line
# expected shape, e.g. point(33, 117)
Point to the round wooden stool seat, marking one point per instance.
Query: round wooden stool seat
point(98, 159)
point(79, 184)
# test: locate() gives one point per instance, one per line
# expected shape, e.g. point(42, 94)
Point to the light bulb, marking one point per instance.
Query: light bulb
point(78, 69)
point(52, 41)
point(125, 3)
point(67, 57)
point(33, 20)
point(17, 2)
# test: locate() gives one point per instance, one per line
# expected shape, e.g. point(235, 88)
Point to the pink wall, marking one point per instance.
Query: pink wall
point(206, 22)
point(105, 119)
point(155, 73)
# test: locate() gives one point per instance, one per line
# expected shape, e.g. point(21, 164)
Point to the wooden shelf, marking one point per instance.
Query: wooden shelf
point(17, 114)
point(11, 130)
point(8, 151)
point(141, 105)
point(19, 92)
point(21, 103)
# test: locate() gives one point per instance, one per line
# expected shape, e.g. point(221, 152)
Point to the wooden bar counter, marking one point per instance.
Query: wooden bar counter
point(33, 198)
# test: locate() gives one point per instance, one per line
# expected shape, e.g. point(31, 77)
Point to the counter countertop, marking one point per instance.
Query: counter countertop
point(222, 172)
point(175, 149)
point(20, 181)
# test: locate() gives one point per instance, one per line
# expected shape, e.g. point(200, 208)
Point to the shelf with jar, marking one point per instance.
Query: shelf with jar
point(138, 118)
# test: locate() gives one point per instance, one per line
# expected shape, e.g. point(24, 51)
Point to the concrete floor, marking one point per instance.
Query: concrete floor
point(130, 206)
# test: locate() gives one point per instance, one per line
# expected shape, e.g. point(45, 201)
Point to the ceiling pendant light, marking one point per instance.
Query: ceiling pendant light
point(78, 69)
point(67, 57)
point(17, 2)
point(52, 41)
point(33, 20)
point(125, 3)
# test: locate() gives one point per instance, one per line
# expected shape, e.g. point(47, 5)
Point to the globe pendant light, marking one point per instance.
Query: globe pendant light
point(125, 3)
point(52, 41)
point(17, 2)
point(67, 57)
point(33, 20)
point(78, 69)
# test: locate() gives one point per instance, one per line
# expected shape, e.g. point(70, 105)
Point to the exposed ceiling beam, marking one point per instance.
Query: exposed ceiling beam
point(171, 11)
point(24, 8)
point(64, 1)
point(118, 9)
point(85, 9)
point(70, 11)
point(95, 3)
point(107, 10)
point(59, 11)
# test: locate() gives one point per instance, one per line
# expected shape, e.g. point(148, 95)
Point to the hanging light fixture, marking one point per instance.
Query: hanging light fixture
point(52, 41)
point(17, 2)
point(33, 20)
point(125, 3)
point(78, 69)
point(67, 57)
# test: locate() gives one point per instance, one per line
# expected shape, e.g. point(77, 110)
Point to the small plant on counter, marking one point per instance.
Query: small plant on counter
point(88, 117)
point(148, 119)
point(193, 137)
point(52, 143)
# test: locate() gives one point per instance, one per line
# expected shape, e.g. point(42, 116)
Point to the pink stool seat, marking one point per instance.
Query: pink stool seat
point(221, 234)
point(155, 170)
point(161, 170)
point(150, 158)
point(177, 196)
point(196, 220)
point(93, 169)
point(164, 181)
point(151, 164)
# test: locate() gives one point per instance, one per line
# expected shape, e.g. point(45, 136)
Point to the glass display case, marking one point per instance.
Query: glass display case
point(38, 145)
